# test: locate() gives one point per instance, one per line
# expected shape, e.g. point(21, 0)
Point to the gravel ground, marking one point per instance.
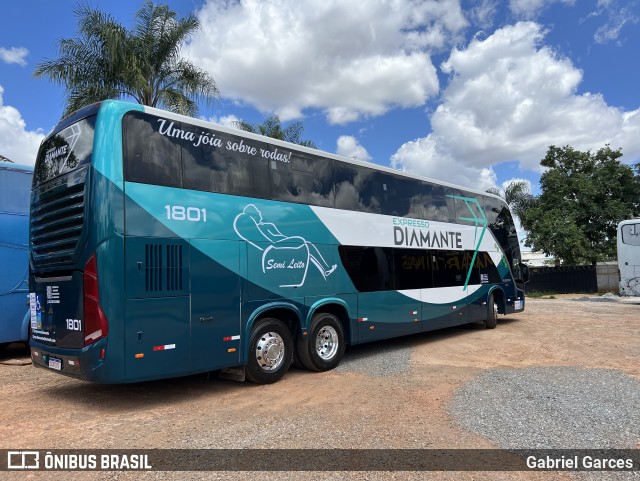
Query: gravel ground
point(378, 360)
point(561, 374)
point(553, 408)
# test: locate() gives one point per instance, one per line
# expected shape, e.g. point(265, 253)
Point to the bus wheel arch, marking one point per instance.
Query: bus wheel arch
point(288, 315)
point(323, 346)
point(500, 299)
point(495, 305)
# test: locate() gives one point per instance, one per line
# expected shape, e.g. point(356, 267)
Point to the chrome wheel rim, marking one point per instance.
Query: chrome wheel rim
point(327, 343)
point(270, 351)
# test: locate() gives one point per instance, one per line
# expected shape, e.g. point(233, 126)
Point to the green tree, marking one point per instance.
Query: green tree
point(272, 127)
point(583, 197)
point(108, 61)
point(517, 195)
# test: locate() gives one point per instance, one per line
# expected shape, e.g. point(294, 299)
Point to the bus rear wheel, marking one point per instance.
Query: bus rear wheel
point(492, 313)
point(323, 348)
point(270, 351)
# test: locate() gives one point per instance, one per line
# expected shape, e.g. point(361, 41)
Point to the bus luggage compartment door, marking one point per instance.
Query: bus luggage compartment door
point(215, 304)
point(157, 307)
point(382, 315)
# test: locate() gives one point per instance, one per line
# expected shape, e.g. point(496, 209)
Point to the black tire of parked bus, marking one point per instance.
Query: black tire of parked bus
point(492, 313)
point(323, 348)
point(270, 343)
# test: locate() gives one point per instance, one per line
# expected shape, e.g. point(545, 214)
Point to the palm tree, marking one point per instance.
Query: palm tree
point(516, 195)
point(272, 127)
point(5, 159)
point(109, 61)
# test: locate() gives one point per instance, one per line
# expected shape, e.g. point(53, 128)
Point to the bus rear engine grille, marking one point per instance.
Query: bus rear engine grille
point(56, 225)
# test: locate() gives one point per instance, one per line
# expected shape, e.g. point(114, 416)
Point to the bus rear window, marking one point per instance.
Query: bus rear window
point(65, 150)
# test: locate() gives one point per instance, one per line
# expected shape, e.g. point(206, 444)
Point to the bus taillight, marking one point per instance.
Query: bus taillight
point(96, 325)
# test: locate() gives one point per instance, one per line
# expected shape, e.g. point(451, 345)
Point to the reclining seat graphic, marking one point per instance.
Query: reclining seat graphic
point(284, 252)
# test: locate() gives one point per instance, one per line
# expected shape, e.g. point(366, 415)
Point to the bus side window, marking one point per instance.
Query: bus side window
point(149, 157)
point(304, 180)
point(370, 268)
point(357, 188)
point(437, 205)
point(459, 209)
point(449, 194)
point(451, 268)
point(412, 269)
point(403, 197)
point(12, 195)
point(217, 169)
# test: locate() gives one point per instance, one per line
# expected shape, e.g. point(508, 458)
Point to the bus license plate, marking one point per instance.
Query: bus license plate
point(55, 363)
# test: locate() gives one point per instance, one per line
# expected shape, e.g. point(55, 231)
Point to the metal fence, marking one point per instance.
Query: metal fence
point(563, 279)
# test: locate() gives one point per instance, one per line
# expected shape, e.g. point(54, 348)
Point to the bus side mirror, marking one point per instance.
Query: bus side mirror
point(525, 273)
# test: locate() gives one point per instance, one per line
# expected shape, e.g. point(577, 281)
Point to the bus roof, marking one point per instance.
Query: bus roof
point(27, 169)
point(634, 220)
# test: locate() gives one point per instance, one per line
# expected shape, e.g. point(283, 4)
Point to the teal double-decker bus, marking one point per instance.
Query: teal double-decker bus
point(162, 245)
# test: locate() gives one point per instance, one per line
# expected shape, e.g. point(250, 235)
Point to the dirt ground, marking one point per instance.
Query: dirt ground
point(346, 408)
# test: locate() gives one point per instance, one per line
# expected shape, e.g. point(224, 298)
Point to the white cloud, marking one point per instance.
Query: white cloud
point(348, 146)
point(530, 9)
point(507, 183)
point(616, 15)
point(509, 99)
point(14, 55)
point(16, 142)
point(226, 120)
point(616, 18)
point(348, 58)
point(484, 12)
point(422, 156)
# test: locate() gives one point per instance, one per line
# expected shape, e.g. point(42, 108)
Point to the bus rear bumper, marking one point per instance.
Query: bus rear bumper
point(84, 364)
point(515, 305)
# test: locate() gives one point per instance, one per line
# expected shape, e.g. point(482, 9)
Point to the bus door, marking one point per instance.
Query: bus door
point(215, 303)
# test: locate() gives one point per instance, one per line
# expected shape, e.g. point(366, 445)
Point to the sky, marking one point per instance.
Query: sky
point(471, 92)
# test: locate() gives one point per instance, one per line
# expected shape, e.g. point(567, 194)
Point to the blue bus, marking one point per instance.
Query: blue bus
point(15, 186)
point(163, 246)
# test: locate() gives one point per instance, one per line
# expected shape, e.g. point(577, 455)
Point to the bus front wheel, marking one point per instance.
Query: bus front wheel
point(270, 351)
point(492, 313)
point(323, 348)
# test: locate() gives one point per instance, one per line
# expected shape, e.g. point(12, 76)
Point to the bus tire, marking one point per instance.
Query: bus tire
point(323, 348)
point(492, 313)
point(270, 351)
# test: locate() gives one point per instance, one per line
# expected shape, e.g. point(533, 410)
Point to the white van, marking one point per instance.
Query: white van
point(629, 257)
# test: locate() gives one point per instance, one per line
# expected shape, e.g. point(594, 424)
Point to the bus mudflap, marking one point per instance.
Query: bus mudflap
point(236, 373)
